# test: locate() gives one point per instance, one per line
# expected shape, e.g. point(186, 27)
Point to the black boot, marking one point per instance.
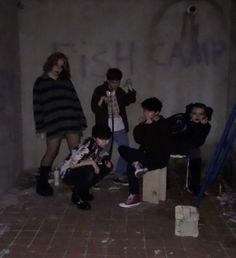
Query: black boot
point(42, 186)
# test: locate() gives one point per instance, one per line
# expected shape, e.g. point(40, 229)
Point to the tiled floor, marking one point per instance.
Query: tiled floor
point(38, 227)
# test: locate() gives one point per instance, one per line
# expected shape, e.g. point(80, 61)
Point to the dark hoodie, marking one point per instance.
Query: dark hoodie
point(154, 140)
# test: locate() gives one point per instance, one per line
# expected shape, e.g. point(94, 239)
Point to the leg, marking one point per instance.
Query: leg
point(195, 166)
point(52, 149)
point(133, 180)
point(195, 175)
point(121, 138)
point(73, 140)
point(131, 154)
point(81, 178)
point(104, 171)
point(133, 198)
point(42, 185)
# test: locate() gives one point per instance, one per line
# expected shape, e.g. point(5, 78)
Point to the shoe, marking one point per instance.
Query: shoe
point(140, 170)
point(120, 181)
point(132, 201)
point(43, 187)
point(96, 187)
point(83, 205)
point(75, 198)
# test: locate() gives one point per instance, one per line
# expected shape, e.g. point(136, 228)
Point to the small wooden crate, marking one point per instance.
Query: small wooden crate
point(154, 185)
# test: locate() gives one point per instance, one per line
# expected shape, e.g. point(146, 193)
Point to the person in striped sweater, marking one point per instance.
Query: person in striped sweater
point(57, 114)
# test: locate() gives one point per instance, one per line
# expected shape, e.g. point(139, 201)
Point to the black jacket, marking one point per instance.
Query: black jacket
point(154, 140)
point(189, 135)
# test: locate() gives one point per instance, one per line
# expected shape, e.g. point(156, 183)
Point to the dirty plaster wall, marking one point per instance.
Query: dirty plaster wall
point(230, 165)
point(10, 97)
point(169, 54)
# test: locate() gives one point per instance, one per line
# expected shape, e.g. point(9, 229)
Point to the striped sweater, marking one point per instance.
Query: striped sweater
point(57, 109)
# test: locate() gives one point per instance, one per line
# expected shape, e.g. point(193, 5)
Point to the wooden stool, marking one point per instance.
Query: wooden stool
point(154, 185)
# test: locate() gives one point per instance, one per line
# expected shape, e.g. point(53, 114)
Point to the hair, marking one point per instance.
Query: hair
point(53, 59)
point(114, 74)
point(101, 131)
point(152, 104)
point(208, 110)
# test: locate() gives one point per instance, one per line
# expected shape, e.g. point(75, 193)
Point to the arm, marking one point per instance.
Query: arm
point(128, 97)
point(81, 115)
point(38, 108)
point(141, 134)
point(98, 101)
point(198, 133)
point(87, 162)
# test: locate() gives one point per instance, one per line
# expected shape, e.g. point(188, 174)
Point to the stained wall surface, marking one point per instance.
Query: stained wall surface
point(11, 158)
point(167, 52)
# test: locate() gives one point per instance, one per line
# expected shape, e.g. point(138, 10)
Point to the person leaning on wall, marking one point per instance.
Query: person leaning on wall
point(57, 114)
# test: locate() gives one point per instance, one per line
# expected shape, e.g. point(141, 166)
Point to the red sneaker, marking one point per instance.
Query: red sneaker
point(132, 201)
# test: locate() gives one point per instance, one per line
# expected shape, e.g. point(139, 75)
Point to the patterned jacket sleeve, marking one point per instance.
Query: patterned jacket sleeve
point(75, 157)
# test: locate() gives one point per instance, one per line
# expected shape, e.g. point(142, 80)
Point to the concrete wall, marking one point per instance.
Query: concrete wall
point(230, 165)
point(177, 57)
point(10, 97)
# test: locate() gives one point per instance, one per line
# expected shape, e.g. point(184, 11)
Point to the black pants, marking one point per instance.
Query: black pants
point(82, 178)
point(130, 155)
point(195, 168)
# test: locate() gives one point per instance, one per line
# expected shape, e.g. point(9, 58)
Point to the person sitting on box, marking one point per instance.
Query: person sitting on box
point(153, 136)
point(189, 133)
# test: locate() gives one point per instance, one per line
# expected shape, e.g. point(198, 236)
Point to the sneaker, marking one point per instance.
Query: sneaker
point(75, 198)
point(140, 170)
point(96, 187)
point(120, 181)
point(83, 205)
point(132, 201)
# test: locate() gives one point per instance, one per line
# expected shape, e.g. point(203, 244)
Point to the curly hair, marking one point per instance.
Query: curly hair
point(53, 59)
point(208, 110)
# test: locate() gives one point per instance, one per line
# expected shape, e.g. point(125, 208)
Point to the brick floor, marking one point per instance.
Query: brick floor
point(38, 227)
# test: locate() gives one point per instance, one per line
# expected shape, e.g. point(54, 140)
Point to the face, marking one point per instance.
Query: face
point(57, 68)
point(101, 142)
point(150, 115)
point(197, 115)
point(113, 84)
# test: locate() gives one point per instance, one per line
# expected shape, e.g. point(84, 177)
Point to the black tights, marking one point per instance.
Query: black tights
point(53, 147)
